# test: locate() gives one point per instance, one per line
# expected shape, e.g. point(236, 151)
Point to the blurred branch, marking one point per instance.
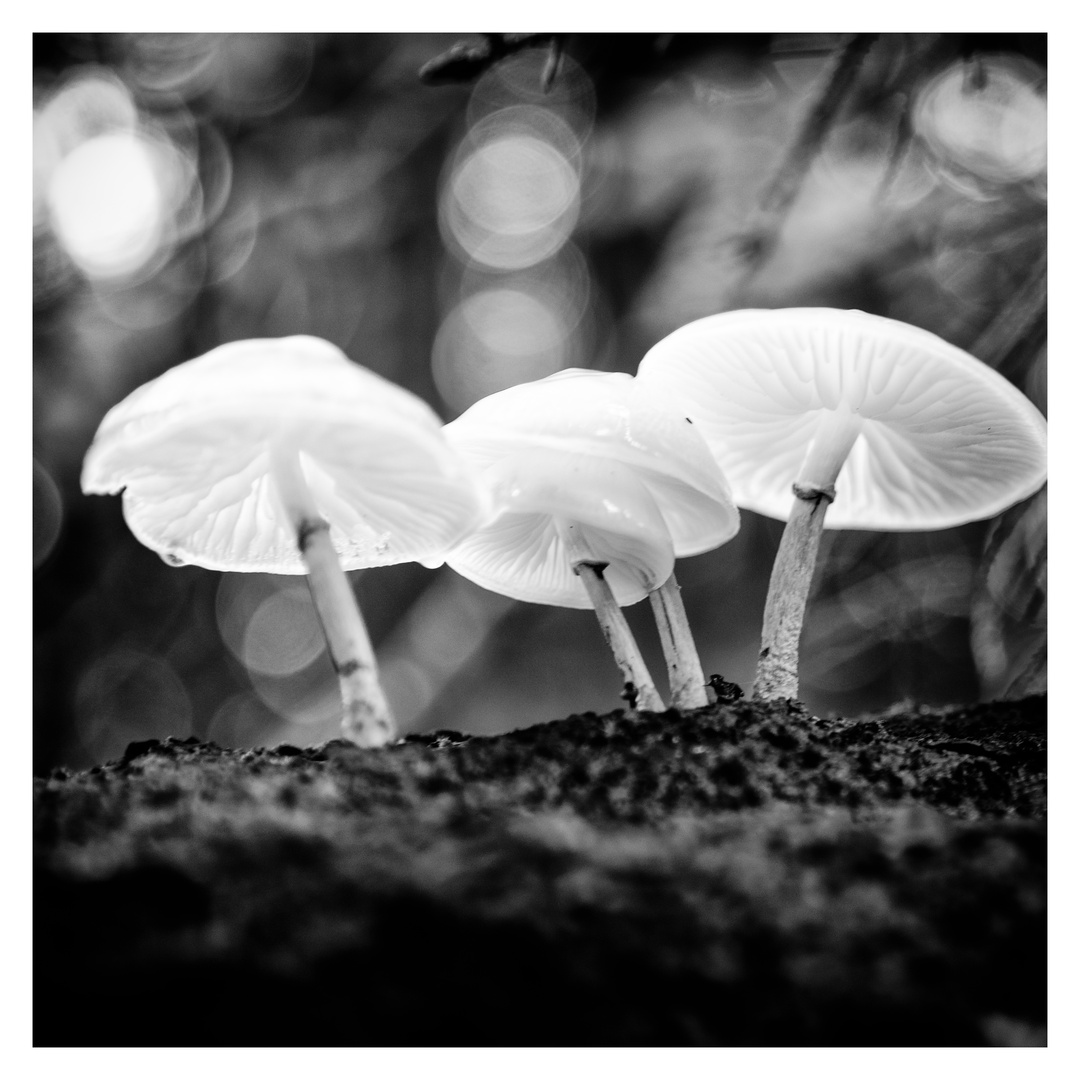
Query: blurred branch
point(1016, 321)
point(1031, 678)
point(1008, 607)
point(618, 60)
point(904, 137)
point(553, 63)
point(467, 60)
point(779, 194)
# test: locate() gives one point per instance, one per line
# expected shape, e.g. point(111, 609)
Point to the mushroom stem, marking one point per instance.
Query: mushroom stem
point(777, 673)
point(619, 637)
point(685, 676)
point(640, 690)
point(366, 718)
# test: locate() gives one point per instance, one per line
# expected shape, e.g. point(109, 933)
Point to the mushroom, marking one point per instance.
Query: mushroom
point(884, 425)
point(283, 456)
point(597, 491)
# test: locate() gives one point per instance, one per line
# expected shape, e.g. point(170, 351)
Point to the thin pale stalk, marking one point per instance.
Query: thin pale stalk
point(641, 690)
point(366, 718)
point(789, 586)
point(835, 434)
point(685, 677)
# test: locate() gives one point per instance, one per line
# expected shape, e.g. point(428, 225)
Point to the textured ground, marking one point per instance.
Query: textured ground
point(743, 875)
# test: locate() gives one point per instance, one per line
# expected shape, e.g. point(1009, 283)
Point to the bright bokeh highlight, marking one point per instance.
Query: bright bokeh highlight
point(513, 195)
point(989, 119)
point(116, 191)
point(497, 338)
point(108, 203)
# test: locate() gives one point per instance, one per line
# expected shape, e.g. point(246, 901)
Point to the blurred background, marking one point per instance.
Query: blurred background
point(462, 213)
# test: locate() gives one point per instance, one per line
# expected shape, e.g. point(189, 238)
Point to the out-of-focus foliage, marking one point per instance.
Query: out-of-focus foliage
point(536, 203)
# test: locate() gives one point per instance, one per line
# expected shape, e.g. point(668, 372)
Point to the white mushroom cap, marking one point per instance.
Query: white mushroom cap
point(586, 447)
point(192, 452)
point(936, 437)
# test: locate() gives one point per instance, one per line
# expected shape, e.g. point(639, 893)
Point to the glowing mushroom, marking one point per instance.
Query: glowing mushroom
point(885, 425)
point(597, 491)
point(283, 456)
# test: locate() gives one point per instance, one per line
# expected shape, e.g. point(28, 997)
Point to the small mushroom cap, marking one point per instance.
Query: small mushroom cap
point(192, 450)
point(587, 448)
point(942, 438)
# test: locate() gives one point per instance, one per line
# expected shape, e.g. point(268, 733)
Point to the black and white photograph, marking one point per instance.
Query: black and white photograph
point(540, 539)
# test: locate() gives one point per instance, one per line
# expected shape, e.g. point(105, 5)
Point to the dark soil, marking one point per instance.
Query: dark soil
point(742, 875)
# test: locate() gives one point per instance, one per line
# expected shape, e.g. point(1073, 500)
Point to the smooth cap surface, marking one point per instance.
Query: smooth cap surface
point(942, 439)
point(192, 449)
point(587, 448)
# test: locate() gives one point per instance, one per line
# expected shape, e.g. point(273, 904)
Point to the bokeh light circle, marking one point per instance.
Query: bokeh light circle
point(496, 338)
point(236, 74)
point(512, 196)
point(90, 102)
point(48, 514)
point(268, 622)
point(244, 720)
point(989, 119)
point(516, 184)
point(129, 695)
point(174, 63)
point(518, 81)
point(116, 191)
point(283, 634)
point(110, 200)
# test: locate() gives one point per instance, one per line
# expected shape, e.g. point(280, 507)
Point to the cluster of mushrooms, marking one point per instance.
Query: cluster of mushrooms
point(582, 489)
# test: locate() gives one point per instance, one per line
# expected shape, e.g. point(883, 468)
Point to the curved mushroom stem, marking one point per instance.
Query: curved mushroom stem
point(777, 673)
point(366, 719)
point(685, 676)
point(640, 689)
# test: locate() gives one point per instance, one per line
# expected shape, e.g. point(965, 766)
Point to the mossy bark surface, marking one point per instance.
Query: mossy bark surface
point(744, 874)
